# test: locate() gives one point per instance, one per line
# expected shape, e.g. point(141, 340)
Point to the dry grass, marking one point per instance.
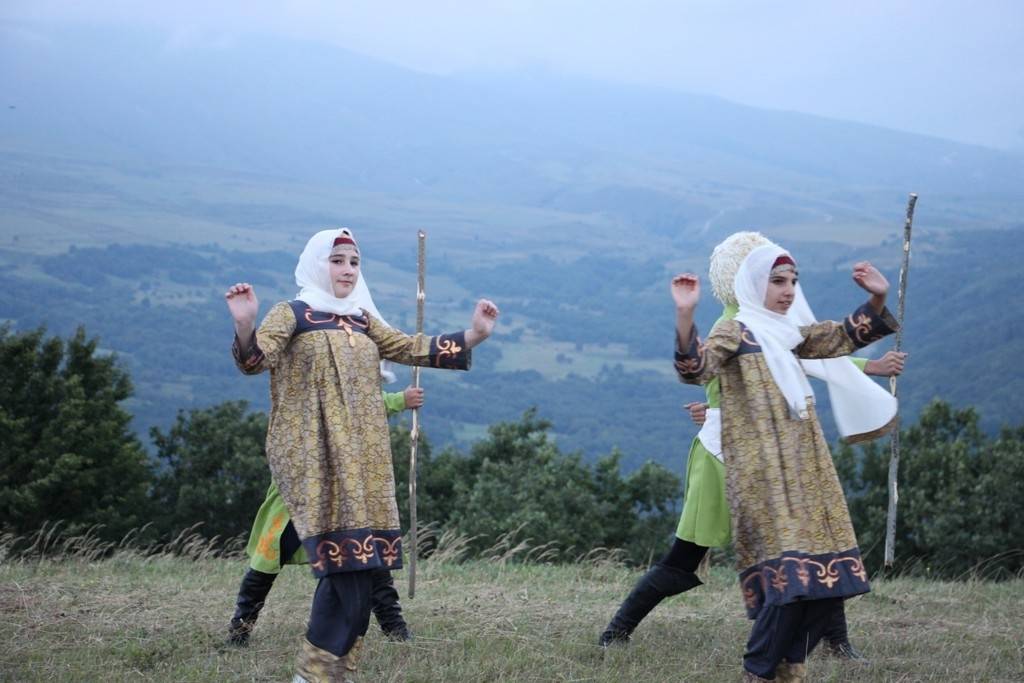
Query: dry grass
point(160, 615)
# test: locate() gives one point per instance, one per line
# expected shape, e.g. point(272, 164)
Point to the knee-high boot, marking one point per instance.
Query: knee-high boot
point(660, 582)
point(252, 594)
point(836, 637)
point(386, 607)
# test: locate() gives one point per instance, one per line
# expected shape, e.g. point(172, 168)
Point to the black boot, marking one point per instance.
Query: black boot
point(660, 582)
point(251, 596)
point(387, 608)
point(837, 640)
point(844, 649)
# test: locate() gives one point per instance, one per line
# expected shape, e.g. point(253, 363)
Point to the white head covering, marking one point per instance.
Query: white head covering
point(777, 334)
point(860, 406)
point(313, 276)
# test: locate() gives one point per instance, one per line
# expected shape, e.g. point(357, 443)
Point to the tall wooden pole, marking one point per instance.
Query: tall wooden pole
point(894, 455)
point(414, 436)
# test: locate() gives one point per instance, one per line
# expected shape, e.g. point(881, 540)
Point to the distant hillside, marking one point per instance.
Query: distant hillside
point(319, 114)
point(139, 176)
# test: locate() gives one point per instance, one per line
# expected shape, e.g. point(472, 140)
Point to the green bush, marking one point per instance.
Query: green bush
point(66, 450)
point(960, 501)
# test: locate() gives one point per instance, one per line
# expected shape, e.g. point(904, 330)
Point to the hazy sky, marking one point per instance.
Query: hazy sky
point(952, 69)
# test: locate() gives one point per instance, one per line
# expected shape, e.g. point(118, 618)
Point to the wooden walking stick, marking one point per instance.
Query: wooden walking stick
point(894, 455)
point(414, 436)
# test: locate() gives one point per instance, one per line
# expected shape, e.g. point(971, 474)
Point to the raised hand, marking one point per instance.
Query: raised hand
point(242, 303)
point(686, 290)
point(869, 279)
point(484, 316)
point(889, 365)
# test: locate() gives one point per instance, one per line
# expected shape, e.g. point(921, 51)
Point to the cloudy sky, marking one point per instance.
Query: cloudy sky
point(940, 67)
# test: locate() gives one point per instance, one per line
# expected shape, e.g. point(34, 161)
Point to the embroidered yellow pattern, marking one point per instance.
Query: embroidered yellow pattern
point(446, 347)
point(268, 543)
point(783, 490)
point(328, 444)
point(389, 552)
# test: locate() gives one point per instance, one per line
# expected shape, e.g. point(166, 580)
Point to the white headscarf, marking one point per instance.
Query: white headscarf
point(313, 276)
point(777, 334)
point(860, 406)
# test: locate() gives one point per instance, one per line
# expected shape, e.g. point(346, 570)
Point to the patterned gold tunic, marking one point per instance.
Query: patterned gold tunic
point(790, 525)
point(327, 439)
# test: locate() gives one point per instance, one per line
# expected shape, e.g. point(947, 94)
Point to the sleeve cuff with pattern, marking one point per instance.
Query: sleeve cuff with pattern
point(865, 326)
point(250, 358)
point(689, 362)
point(449, 351)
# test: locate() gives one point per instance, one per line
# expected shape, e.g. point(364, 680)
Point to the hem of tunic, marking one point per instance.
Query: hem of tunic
point(868, 436)
point(797, 576)
point(353, 550)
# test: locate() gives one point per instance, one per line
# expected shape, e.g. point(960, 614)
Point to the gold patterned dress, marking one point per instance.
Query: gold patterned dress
point(328, 444)
point(790, 525)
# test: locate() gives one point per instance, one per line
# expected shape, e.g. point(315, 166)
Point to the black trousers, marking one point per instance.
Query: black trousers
point(687, 556)
point(290, 544)
point(787, 632)
point(341, 611)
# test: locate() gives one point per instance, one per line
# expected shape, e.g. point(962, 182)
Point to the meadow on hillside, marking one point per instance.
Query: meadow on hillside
point(163, 617)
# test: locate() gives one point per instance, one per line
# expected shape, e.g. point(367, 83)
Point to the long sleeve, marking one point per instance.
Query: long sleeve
point(262, 350)
point(698, 362)
point(394, 402)
point(831, 339)
point(861, 363)
point(446, 351)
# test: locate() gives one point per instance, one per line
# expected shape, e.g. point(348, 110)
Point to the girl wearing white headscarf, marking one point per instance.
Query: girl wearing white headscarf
point(328, 445)
point(796, 550)
point(705, 520)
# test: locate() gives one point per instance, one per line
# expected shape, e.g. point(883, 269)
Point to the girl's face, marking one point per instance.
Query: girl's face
point(344, 266)
point(781, 290)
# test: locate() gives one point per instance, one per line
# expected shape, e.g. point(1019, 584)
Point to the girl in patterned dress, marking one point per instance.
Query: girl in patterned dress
point(796, 550)
point(705, 520)
point(328, 445)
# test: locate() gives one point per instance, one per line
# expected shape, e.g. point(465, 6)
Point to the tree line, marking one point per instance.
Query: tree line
point(67, 453)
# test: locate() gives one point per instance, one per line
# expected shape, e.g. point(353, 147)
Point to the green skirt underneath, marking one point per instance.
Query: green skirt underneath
point(705, 519)
point(264, 548)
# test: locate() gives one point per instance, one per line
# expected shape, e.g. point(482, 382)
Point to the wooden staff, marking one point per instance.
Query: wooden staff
point(414, 436)
point(894, 456)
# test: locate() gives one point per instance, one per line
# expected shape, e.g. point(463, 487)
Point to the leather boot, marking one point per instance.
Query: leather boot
point(660, 582)
point(386, 607)
point(787, 672)
point(320, 666)
point(252, 594)
point(836, 637)
point(844, 649)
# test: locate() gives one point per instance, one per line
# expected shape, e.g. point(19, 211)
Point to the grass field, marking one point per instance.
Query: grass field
point(163, 618)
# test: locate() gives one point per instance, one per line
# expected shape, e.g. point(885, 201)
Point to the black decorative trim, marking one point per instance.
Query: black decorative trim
point(449, 351)
point(865, 326)
point(748, 343)
point(689, 363)
point(249, 358)
point(353, 550)
point(308, 320)
point(801, 576)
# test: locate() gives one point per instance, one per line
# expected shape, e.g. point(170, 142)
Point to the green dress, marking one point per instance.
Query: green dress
point(264, 548)
point(705, 519)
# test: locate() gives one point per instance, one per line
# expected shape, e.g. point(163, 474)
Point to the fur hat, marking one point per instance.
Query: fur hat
point(726, 259)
